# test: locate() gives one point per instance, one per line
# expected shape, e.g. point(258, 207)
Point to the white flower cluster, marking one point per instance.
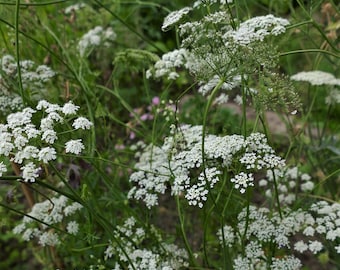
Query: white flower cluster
point(333, 97)
point(32, 77)
point(226, 236)
point(167, 65)
point(213, 48)
point(266, 229)
point(179, 162)
point(326, 223)
point(200, 3)
point(167, 257)
point(94, 38)
point(73, 8)
point(289, 182)
point(29, 145)
point(51, 212)
point(263, 228)
point(256, 29)
point(316, 77)
point(174, 17)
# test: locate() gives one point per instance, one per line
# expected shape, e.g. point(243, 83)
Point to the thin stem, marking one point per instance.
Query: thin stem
point(309, 51)
point(17, 51)
point(277, 194)
point(185, 239)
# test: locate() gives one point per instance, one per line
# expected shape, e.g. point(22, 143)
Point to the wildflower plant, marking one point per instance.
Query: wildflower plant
point(147, 144)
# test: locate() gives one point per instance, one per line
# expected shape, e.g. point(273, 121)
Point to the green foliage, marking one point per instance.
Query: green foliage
point(138, 120)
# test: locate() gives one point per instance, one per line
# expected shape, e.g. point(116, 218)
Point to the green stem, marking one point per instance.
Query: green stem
point(309, 51)
point(17, 51)
point(185, 239)
point(277, 194)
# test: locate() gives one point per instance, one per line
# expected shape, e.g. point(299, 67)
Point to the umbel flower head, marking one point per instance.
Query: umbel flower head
point(217, 48)
point(30, 144)
point(56, 210)
point(179, 163)
point(33, 77)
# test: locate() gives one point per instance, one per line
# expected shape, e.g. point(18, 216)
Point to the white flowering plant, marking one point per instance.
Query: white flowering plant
point(170, 135)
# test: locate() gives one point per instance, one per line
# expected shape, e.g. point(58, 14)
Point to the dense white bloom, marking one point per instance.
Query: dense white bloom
point(74, 146)
point(49, 239)
point(256, 29)
point(21, 134)
point(181, 153)
point(316, 77)
point(72, 227)
point(287, 263)
point(168, 257)
point(300, 246)
point(82, 123)
point(47, 154)
point(30, 172)
point(174, 17)
point(72, 208)
point(69, 108)
point(51, 211)
point(49, 136)
point(315, 246)
point(242, 181)
point(166, 66)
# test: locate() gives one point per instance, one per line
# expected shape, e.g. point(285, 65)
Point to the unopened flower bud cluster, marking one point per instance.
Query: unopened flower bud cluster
point(54, 211)
point(30, 136)
point(179, 162)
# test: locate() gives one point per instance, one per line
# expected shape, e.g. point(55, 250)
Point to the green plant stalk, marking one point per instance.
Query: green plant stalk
point(277, 195)
point(244, 235)
point(310, 51)
point(34, 4)
point(129, 26)
point(207, 219)
point(317, 26)
point(185, 239)
point(17, 52)
point(226, 254)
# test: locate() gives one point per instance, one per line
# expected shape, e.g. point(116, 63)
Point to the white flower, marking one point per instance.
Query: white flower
point(174, 17)
point(74, 146)
point(315, 246)
point(227, 237)
point(49, 136)
point(256, 29)
point(300, 246)
point(242, 181)
point(316, 77)
point(47, 154)
point(72, 227)
point(49, 239)
point(72, 208)
point(75, 7)
point(82, 123)
point(30, 172)
point(69, 108)
point(3, 168)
